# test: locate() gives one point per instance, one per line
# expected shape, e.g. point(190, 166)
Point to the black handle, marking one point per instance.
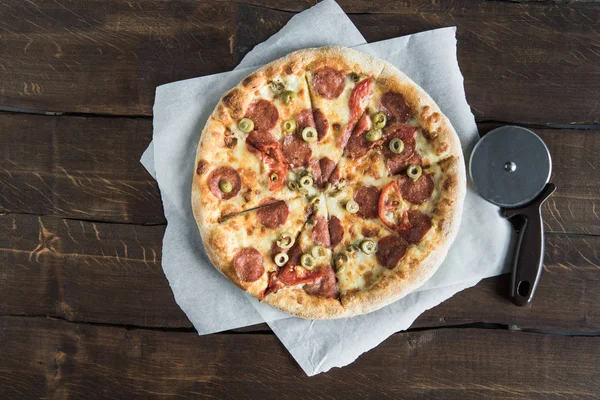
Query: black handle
point(529, 254)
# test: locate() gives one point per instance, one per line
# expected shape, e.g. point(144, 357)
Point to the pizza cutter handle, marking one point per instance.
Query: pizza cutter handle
point(529, 255)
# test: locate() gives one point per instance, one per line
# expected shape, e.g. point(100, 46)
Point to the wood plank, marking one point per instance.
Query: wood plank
point(110, 273)
point(528, 62)
point(85, 168)
point(88, 168)
point(56, 359)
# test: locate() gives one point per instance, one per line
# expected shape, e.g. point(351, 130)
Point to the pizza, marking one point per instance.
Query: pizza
point(328, 184)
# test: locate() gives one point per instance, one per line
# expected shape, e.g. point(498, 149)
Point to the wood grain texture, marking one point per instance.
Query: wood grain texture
point(55, 359)
point(110, 273)
point(511, 53)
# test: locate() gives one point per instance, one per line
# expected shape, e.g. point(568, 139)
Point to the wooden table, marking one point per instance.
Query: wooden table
point(85, 310)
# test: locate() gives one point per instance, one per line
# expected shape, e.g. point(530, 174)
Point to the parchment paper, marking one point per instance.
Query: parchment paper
point(211, 302)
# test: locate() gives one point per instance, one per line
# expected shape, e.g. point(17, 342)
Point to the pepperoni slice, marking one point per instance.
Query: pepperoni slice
point(229, 174)
point(305, 119)
point(367, 198)
point(327, 167)
point(325, 287)
point(296, 151)
point(416, 191)
point(358, 145)
point(390, 251)
point(273, 215)
point(356, 103)
point(328, 82)
point(336, 231)
point(407, 134)
point(396, 107)
point(248, 264)
point(295, 253)
point(294, 275)
point(320, 232)
point(314, 119)
point(273, 286)
point(321, 123)
point(263, 113)
point(421, 224)
point(334, 178)
point(398, 167)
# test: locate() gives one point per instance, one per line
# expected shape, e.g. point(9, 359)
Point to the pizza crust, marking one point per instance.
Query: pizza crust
point(421, 261)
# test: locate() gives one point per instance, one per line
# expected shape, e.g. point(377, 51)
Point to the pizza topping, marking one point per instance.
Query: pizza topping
point(398, 167)
point(373, 135)
point(414, 171)
point(315, 201)
point(421, 224)
point(289, 126)
point(326, 286)
point(269, 151)
point(292, 275)
point(352, 207)
point(391, 251)
point(246, 125)
point(390, 213)
point(248, 264)
point(336, 231)
point(277, 170)
point(280, 259)
point(359, 145)
point(321, 123)
point(285, 240)
point(326, 170)
point(396, 145)
point(416, 191)
point(292, 185)
point(356, 103)
point(308, 261)
point(406, 134)
point(352, 248)
point(320, 232)
point(276, 86)
point(340, 260)
point(224, 174)
point(309, 134)
point(367, 198)
point(273, 286)
point(273, 215)
point(354, 76)
point(263, 114)
point(395, 104)
point(296, 151)
point(368, 246)
point(328, 82)
point(319, 252)
point(306, 181)
point(379, 120)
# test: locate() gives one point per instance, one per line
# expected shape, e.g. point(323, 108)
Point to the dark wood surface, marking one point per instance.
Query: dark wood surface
point(85, 309)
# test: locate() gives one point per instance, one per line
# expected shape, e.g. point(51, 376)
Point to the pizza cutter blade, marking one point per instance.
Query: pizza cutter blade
point(510, 167)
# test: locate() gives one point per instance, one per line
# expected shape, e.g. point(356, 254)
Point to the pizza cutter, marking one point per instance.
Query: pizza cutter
point(510, 167)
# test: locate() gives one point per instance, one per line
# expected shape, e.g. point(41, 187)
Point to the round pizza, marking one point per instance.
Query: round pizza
point(328, 184)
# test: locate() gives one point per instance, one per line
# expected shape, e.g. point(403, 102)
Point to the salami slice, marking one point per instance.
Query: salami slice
point(314, 119)
point(417, 191)
point(328, 83)
point(263, 113)
point(248, 264)
point(407, 134)
point(421, 224)
point(399, 167)
point(390, 251)
point(224, 173)
point(262, 141)
point(321, 123)
point(367, 198)
point(358, 145)
point(320, 232)
point(274, 215)
point(293, 275)
point(273, 286)
point(326, 286)
point(296, 151)
point(334, 178)
point(326, 166)
point(395, 106)
point(336, 231)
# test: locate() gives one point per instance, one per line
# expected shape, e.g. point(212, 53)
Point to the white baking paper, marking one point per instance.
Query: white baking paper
point(210, 301)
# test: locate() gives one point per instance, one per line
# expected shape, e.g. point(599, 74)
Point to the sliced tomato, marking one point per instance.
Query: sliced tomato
point(356, 103)
point(389, 204)
point(295, 275)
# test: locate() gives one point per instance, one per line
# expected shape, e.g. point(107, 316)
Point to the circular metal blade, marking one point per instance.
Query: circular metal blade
point(510, 166)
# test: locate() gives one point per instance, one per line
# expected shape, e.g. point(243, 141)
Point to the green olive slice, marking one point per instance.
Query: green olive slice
point(286, 240)
point(277, 86)
point(246, 125)
point(328, 187)
point(274, 177)
point(292, 185)
point(309, 134)
point(225, 186)
point(352, 207)
point(288, 97)
point(368, 246)
point(308, 261)
point(373, 135)
point(306, 181)
point(354, 76)
point(289, 126)
point(319, 252)
point(351, 249)
point(396, 145)
point(316, 200)
point(280, 259)
point(414, 171)
point(340, 260)
point(379, 120)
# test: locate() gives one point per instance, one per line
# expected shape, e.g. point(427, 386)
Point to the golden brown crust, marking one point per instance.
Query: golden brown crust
point(215, 149)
